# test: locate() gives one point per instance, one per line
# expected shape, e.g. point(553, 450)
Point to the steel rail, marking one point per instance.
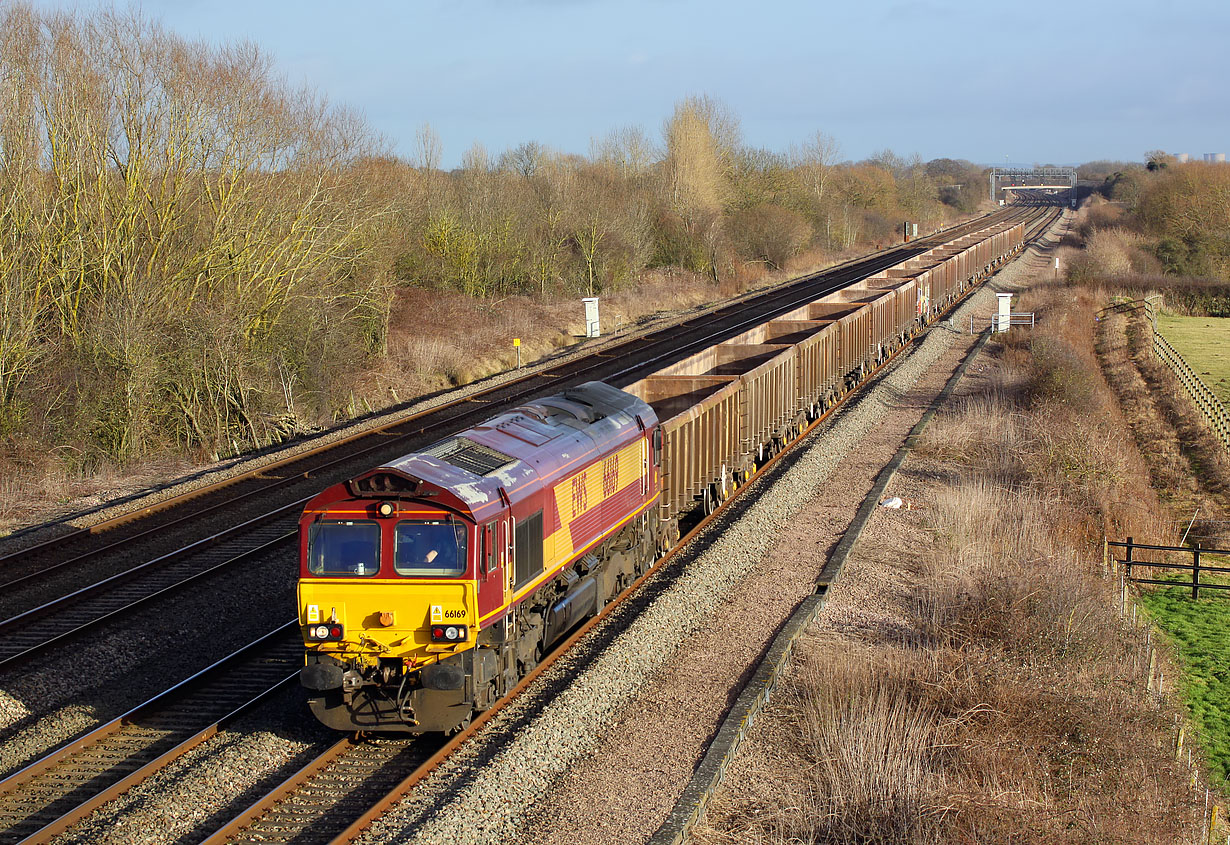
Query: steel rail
point(766, 303)
point(865, 264)
point(266, 805)
point(58, 790)
point(40, 575)
point(158, 562)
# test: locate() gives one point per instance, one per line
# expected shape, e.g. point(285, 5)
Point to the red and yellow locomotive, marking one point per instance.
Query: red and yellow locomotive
point(429, 586)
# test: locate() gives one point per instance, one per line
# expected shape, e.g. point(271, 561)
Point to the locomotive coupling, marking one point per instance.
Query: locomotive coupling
point(352, 681)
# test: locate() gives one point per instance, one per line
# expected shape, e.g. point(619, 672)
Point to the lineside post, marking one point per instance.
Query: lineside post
point(1196, 572)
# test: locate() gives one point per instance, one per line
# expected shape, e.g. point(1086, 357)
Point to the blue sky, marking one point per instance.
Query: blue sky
point(1058, 82)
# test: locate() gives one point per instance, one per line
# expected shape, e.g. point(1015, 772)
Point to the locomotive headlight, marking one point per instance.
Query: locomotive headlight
point(386, 509)
point(321, 633)
point(450, 633)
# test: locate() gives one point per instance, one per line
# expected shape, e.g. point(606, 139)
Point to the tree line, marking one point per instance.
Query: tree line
point(1182, 208)
point(197, 256)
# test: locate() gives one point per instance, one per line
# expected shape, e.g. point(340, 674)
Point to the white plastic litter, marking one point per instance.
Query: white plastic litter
point(892, 502)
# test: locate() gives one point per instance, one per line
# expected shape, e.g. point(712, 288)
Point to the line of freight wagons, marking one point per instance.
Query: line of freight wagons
point(730, 407)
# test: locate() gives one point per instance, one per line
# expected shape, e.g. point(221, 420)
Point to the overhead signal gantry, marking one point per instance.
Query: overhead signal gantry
point(1034, 178)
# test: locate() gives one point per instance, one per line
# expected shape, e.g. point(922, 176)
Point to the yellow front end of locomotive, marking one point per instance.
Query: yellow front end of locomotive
point(415, 622)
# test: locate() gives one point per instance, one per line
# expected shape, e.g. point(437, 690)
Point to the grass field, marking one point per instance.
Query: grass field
point(1204, 342)
point(1200, 633)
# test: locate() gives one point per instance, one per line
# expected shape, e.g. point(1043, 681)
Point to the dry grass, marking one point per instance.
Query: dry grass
point(1014, 709)
point(867, 745)
point(1186, 462)
point(36, 486)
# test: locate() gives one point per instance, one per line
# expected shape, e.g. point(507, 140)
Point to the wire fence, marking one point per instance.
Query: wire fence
point(1211, 408)
point(1206, 401)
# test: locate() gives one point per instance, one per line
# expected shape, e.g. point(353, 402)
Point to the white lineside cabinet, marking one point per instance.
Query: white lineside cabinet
point(1004, 319)
point(591, 317)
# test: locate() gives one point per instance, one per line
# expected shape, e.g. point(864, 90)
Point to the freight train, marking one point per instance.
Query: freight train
point(431, 585)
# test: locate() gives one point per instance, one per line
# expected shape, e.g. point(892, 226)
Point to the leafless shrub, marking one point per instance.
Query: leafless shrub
point(1004, 578)
point(870, 742)
point(770, 233)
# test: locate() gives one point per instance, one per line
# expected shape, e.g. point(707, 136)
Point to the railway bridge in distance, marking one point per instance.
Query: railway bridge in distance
point(1034, 179)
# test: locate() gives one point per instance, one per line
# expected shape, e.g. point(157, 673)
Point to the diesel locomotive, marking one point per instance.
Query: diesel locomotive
point(429, 586)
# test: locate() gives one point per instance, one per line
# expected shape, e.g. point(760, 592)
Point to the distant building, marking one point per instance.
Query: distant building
point(1182, 158)
point(1219, 158)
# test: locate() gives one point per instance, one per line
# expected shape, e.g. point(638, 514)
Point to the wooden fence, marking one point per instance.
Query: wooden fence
point(1132, 559)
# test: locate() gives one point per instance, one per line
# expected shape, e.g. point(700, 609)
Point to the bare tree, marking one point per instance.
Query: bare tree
point(815, 158)
point(149, 178)
point(627, 151)
point(428, 149)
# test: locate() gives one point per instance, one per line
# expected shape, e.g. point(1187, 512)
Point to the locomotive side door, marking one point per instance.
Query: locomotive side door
point(492, 564)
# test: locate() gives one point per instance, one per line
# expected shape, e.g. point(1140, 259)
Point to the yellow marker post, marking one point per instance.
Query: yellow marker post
point(517, 344)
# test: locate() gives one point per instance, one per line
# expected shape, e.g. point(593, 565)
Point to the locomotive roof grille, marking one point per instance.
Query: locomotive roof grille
point(468, 455)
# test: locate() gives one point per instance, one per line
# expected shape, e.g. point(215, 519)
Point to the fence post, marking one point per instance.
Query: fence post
point(1127, 561)
point(1196, 572)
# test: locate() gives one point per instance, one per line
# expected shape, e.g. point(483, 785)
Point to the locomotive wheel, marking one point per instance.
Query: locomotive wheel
point(461, 726)
point(524, 667)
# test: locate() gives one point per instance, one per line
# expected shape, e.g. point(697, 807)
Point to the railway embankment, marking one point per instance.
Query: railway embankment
point(1190, 467)
point(1171, 299)
point(975, 677)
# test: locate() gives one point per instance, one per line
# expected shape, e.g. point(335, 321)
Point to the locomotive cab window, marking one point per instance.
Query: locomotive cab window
point(344, 549)
point(430, 548)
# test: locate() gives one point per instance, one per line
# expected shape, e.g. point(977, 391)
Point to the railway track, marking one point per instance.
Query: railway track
point(33, 631)
point(305, 809)
point(350, 782)
point(53, 793)
point(56, 623)
point(328, 795)
point(36, 625)
point(141, 532)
